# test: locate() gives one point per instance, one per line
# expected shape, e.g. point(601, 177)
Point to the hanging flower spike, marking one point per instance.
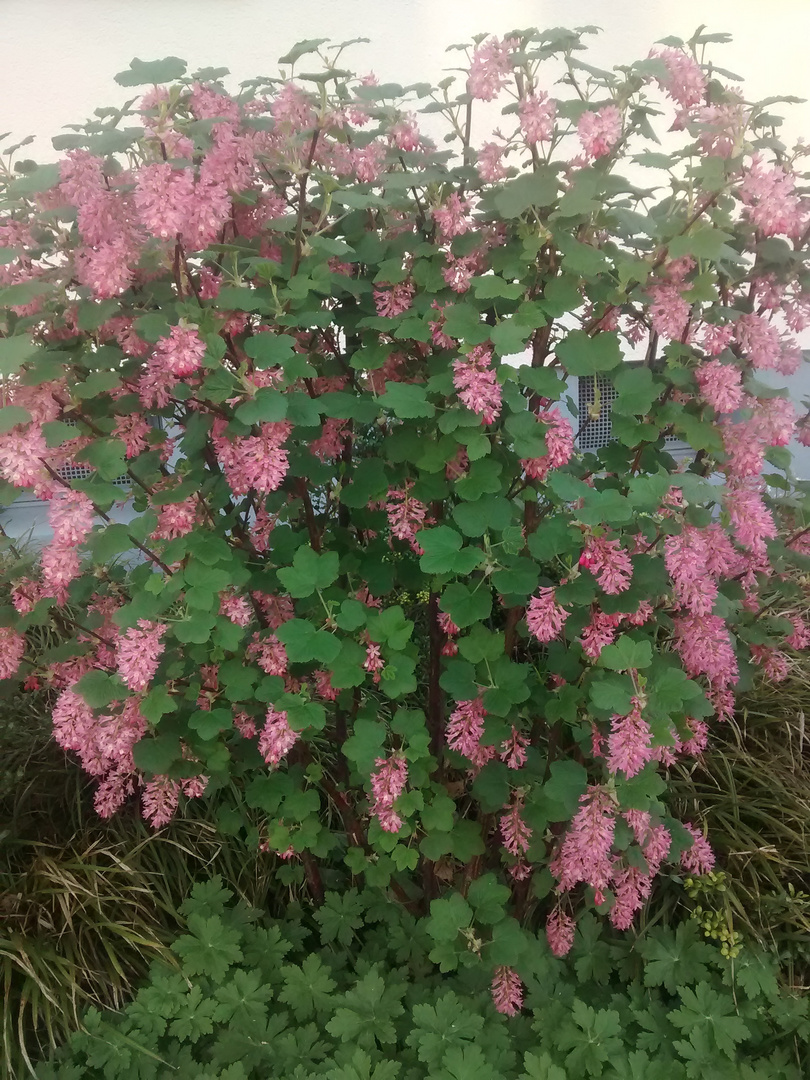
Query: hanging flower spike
point(507, 991)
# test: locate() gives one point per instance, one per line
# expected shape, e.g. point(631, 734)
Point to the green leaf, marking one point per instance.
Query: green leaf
point(369, 483)
point(491, 512)
point(408, 401)
point(636, 391)
point(365, 744)
point(444, 554)
point(14, 351)
point(448, 917)
point(208, 723)
point(210, 949)
point(702, 242)
point(304, 642)
point(467, 605)
point(157, 756)
point(310, 572)
point(541, 1067)
point(301, 48)
point(143, 72)
point(99, 689)
point(268, 406)
point(626, 654)
point(11, 415)
point(491, 287)
point(308, 988)
point(269, 349)
point(532, 190)
point(157, 703)
point(488, 899)
point(582, 354)
point(339, 916)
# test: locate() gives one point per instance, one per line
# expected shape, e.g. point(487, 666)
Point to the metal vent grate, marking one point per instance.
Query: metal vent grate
point(594, 434)
point(82, 472)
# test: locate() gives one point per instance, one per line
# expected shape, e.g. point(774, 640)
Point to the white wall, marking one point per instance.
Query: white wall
point(60, 56)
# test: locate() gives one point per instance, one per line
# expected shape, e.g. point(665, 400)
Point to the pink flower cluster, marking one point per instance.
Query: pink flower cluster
point(138, 652)
point(254, 462)
point(276, 738)
point(545, 618)
point(559, 436)
point(477, 383)
point(387, 784)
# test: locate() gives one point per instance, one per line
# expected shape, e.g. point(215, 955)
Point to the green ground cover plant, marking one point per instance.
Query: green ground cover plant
point(251, 999)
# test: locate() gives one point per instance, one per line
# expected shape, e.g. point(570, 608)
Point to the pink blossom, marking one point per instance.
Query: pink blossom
point(722, 127)
point(686, 556)
point(159, 800)
point(60, 565)
point(332, 440)
point(515, 833)
point(387, 784)
point(255, 462)
point(323, 685)
point(491, 65)
point(138, 652)
point(751, 520)
point(277, 738)
point(465, 728)
point(559, 436)
point(276, 609)
point(513, 749)
point(631, 887)
point(720, 385)
point(584, 854)
point(537, 113)
point(405, 133)
point(599, 632)
point(452, 217)
point(394, 301)
point(507, 991)
point(560, 932)
point(477, 384)
point(12, 648)
point(244, 724)
point(716, 339)
point(490, 158)
point(373, 662)
point(600, 131)
point(774, 663)
point(20, 458)
point(758, 340)
point(545, 618)
point(236, 608)
point(800, 638)
point(181, 352)
point(686, 83)
point(771, 205)
point(629, 742)
point(669, 311)
point(293, 107)
point(699, 858)
point(406, 515)
point(368, 162)
point(71, 515)
point(176, 519)
point(133, 430)
point(704, 645)
point(269, 653)
point(609, 563)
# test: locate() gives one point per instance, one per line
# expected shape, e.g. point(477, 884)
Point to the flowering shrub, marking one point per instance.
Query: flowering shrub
point(253, 998)
point(370, 576)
